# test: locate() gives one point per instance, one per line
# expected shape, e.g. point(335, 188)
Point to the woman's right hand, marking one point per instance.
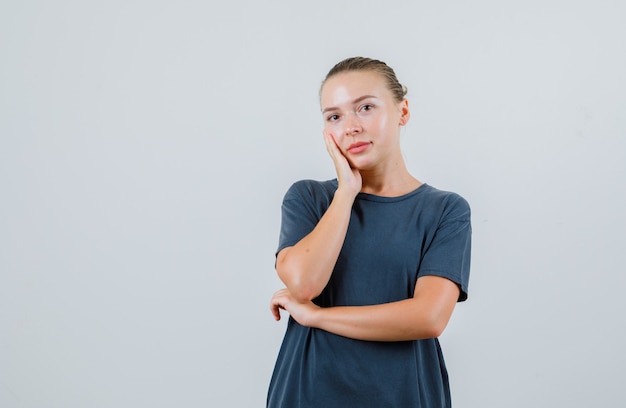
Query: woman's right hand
point(349, 179)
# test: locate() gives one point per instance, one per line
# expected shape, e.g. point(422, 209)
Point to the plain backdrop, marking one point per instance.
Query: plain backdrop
point(145, 147)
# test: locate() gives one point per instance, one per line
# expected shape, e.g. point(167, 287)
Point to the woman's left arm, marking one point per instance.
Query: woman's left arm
point(423, 316)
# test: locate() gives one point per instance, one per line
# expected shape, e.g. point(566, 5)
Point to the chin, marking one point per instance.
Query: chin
point(362, 165)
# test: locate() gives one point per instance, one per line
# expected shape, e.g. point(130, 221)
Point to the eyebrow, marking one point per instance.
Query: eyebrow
point(357, 100)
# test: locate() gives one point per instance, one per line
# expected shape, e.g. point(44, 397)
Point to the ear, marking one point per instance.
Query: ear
point(405, 114)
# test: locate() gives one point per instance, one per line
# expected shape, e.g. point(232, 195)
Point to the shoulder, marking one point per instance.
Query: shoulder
point(451, 204)
point(312, 190)
point(308, 199)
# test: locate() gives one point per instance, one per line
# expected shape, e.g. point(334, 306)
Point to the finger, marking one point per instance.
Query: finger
point(278, 302)
point(276, 312)
point(328, 142)
point(335, 153)
point(331, 144)
point(275, 309)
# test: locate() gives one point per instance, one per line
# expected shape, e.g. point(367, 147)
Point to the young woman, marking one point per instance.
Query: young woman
point(373, 261)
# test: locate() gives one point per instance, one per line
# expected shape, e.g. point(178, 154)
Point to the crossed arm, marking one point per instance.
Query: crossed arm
point(425, 315)
point(306, 267)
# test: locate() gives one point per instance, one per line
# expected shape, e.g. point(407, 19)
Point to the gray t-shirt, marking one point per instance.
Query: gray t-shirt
point(390, 243)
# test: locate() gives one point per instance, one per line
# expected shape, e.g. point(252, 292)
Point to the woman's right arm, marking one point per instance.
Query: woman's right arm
point(305, 268)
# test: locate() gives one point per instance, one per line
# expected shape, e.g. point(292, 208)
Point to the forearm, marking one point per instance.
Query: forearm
point(424, 316)
point(396, 321)
point(306, 267)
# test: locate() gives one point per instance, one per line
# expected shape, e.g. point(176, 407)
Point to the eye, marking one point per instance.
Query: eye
point(332, 118)
point(367, 107)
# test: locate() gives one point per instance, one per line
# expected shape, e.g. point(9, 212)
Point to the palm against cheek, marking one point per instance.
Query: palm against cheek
point(346, 175)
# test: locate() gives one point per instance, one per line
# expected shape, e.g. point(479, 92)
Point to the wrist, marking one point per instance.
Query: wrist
point(316, 317)
point(345, 194)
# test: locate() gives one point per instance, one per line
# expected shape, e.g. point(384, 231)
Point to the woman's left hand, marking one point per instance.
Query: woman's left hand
point(303, 313)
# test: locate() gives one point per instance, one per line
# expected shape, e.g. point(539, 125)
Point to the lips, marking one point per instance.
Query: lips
point(358, 147)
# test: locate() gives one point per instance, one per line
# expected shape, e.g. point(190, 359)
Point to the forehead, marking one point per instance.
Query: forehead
point(346, 86)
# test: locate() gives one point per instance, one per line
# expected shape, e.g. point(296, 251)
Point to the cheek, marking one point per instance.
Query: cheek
point(334, 129)
point(382, 121)
point(338, 137)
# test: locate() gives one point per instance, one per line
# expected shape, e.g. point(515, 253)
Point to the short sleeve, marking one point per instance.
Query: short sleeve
point(303, 206)
point(449, 252)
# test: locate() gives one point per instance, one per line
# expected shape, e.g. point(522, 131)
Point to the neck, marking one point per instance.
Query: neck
point(394, 180)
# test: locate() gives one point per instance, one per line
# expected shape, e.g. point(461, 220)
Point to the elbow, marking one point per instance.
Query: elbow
point(436, 330)
point(434, 326)
point(304, 295)
point(301, 289)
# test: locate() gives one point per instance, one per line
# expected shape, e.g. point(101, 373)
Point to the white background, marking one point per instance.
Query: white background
point(145, 147)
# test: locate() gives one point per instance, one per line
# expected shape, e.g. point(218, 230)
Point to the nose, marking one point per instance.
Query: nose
point(352, 125)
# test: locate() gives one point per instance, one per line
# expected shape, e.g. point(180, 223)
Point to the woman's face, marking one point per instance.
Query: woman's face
point(360, 113)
